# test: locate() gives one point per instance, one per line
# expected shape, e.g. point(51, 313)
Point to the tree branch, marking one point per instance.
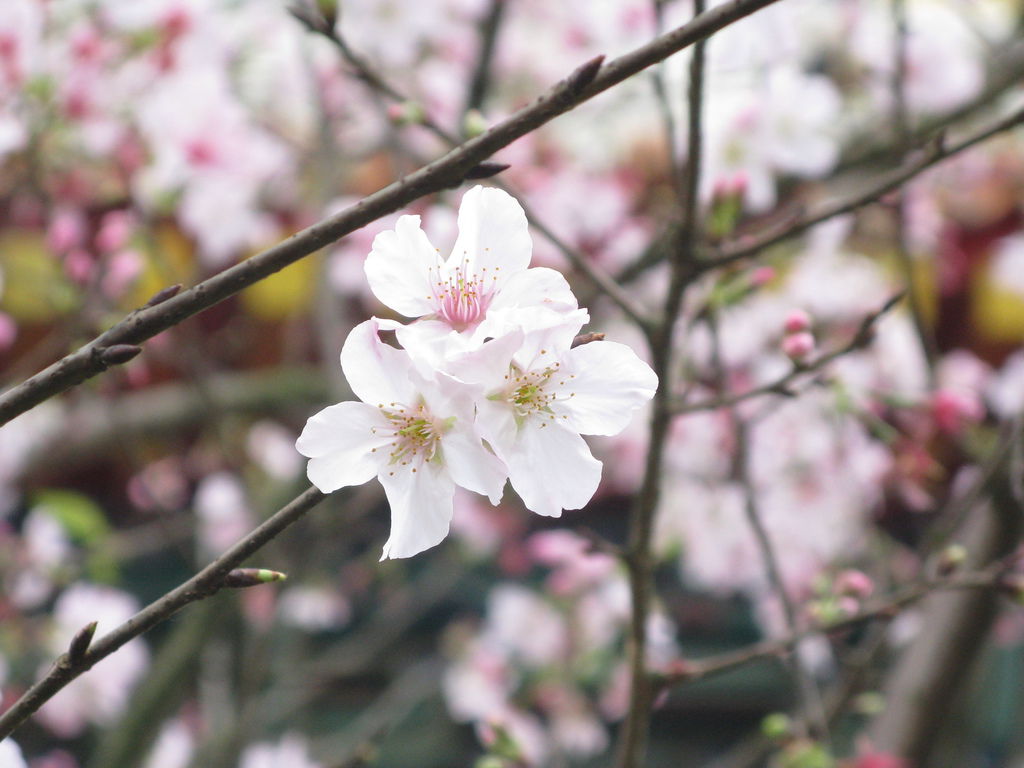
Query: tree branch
point(445, 172)
point(700, 669)
point(205, 583)
point(927, 156)
point(781, 385)
point(632, 746)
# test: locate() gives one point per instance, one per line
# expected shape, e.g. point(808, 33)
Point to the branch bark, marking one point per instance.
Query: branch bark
point(205, 583)
point(447, 171)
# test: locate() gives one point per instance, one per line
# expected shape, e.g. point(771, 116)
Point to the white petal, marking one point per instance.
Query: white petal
point(488, 365)
point(610, 383)
point(496, 423)
point(340, 444)
point(421, 508)
point(552, 468)
point(398, 268)
point(548, 336)
point(429, 342)
point(471, 465)
point(539, 286)
point(378, 373)
point(493, 234)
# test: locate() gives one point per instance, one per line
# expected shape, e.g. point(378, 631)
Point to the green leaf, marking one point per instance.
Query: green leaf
point(81, 517)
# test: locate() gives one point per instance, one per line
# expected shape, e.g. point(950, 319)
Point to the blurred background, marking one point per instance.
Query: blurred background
point(145, 143)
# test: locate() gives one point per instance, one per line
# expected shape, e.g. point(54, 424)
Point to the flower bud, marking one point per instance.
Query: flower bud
point(473, 123)
point(951, 559)
point(252, 577)
point(797, 321)
point(777, 725)
point(854, 583)
point(869, 703)
point(406, 113)
point(798, 346)
point(761, 276)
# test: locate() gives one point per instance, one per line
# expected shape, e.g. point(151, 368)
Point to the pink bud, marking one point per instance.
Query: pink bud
point(848, 606)
point(67, 229)
point(122, 269)
point(130, 154)
point(79, 266)
point(86, 45)
point(762, 276)
point(798, 346)
point(880, 760)
point(952, 410)
point(740, 182)
point(175, 22)
point(854, 583)
point(797, 321)
point(487, 732)
point(115, 229)
point(396, 113)
point(8, 331)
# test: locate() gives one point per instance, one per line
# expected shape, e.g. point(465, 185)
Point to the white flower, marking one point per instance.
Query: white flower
point(10, 755)
point(541, 395)
point(483, 289)
point(414, 433)
point(289, 752)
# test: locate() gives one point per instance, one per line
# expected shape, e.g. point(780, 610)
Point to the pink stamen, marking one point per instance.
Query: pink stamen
point(462, 298)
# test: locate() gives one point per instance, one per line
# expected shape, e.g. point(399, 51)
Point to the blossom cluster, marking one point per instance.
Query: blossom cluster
point(550, 689)
point(487, 385)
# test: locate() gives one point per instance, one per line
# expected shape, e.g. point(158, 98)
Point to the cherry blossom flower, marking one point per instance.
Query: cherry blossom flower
point(541, 396)
point(415, 434)
point(10, 755)
point(289, 752)
point(483, 289)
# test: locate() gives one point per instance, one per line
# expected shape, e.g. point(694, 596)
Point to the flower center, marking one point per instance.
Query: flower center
point(535, 391)
point(462, 296)
point(415, 434)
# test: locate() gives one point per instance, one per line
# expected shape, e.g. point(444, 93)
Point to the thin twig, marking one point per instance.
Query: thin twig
point(810, 697)
point(380, 84)
point(664, 107)
point(901, 134)
point(481, 79)
point(701, 669)
point(783, 385)
point(205, 583)
point(919, 160)
point(632, 746)
point(443, 173)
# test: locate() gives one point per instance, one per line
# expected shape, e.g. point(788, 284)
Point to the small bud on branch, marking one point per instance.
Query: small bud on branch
point(240, 578)
point(80, 643)
point(118, 354)
point(584, 75)
point(485, 170)
point(163, 295)
point(586, 338)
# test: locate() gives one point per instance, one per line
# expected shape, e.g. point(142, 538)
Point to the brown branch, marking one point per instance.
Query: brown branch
point(699, 669)
point(901, 132)
point(205, 583)
point(632, 745)
point(443, 173)
point(782, 385)
point(489, 26)
point(921, 160)
point(378, 83)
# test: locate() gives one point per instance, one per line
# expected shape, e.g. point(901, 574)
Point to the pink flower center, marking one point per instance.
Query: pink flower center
point(201, 152)
point(462, 297)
